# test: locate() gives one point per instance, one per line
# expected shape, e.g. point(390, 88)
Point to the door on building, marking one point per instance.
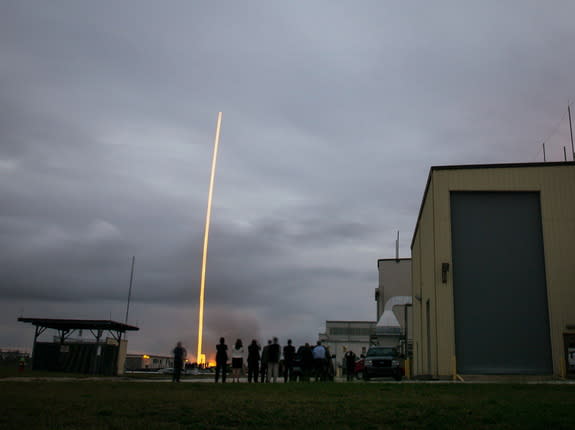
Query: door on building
point(499, 287)
point(570, 354)
point(428, 335)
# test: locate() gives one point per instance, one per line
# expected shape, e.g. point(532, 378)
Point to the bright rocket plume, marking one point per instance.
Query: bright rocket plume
point(201, 357)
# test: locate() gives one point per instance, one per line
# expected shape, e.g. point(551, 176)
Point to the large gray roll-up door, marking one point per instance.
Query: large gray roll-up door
point(499, 288)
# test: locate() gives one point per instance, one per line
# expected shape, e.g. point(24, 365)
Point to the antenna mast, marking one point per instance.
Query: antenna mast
point(130, 289)
point(571, 130)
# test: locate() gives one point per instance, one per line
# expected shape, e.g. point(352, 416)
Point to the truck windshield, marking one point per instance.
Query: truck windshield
point(382, 351)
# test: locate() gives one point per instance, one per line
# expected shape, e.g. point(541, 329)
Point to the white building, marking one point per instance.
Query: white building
point(340, 336)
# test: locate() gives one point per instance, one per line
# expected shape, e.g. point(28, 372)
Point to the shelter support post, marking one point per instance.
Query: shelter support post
point(38, 330)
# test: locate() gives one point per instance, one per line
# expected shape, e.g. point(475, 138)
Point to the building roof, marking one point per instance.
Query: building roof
point(379, 260)
point(480, 166)
point(75, 324)
point(350, 322)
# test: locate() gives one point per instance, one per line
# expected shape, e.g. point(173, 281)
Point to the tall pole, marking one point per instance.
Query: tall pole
point(130, 289)
point(571, 130)
point(544, 156)
point(200, 357)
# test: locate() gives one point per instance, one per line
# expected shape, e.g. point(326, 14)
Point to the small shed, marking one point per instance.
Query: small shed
point(97, 356)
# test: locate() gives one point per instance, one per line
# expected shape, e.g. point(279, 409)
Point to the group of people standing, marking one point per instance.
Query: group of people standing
point(264, 363)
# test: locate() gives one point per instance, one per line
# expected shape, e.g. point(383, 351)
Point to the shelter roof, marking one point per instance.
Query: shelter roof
point(78, 324)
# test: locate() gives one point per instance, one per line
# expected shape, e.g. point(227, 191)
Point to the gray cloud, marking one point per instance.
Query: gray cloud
point(333, 114)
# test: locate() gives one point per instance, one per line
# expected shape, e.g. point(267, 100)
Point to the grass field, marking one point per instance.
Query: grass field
point(155, 405)
point(10, 370)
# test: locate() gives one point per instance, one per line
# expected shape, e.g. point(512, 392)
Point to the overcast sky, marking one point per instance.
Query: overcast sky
point(333, 113)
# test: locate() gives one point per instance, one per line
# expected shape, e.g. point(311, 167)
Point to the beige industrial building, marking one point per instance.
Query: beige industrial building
point(493, 271)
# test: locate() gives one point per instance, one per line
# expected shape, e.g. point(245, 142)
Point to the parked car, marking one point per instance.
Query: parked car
point(383, 361)
point(358, 370)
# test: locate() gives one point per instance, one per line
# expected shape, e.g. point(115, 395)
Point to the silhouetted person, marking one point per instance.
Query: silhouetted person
point(349, 359)
point(253, 361)
point(289, 355)
point(306, 357)
point(179, 357)
point(221, 360)
point(264, 365)
point(274, 353)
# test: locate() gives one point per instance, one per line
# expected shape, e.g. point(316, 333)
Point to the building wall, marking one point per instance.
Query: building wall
point(144, 361)
point(345, 335)
point(394, 280)
point(423, 275)
point(431, 246)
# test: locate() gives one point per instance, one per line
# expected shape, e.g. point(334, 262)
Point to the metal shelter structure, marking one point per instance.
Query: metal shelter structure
point(94, 357)
point(66, 327)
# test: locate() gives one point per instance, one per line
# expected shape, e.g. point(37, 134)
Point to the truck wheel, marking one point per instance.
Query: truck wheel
point(365, 377)
point(398, 377)
point(359, 375)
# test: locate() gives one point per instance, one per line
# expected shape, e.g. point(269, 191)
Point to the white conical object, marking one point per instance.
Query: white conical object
point(388, 322)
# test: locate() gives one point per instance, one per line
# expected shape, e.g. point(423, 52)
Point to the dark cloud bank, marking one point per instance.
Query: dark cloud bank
point(333, 114)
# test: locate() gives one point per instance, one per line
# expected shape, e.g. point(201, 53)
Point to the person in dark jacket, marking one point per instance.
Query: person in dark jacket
point(349, 359)
point(253, 361)
point(289, 355)
point(264, 364)
point(179, 357)
point(307, 361)
point(221, 360)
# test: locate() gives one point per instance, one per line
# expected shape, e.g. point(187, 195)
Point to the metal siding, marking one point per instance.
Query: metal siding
point(444, 331)
point(558, 213)
point(416, 314)
point(425, 238)
point(500, 294)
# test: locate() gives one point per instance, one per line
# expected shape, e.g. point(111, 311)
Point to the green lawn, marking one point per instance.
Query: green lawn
point(155, 405)
point(10, 370)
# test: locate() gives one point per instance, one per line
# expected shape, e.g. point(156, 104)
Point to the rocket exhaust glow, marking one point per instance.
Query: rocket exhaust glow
point(201, 358)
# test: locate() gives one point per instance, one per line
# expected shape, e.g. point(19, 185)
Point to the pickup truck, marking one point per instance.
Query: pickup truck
point(383, 361)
